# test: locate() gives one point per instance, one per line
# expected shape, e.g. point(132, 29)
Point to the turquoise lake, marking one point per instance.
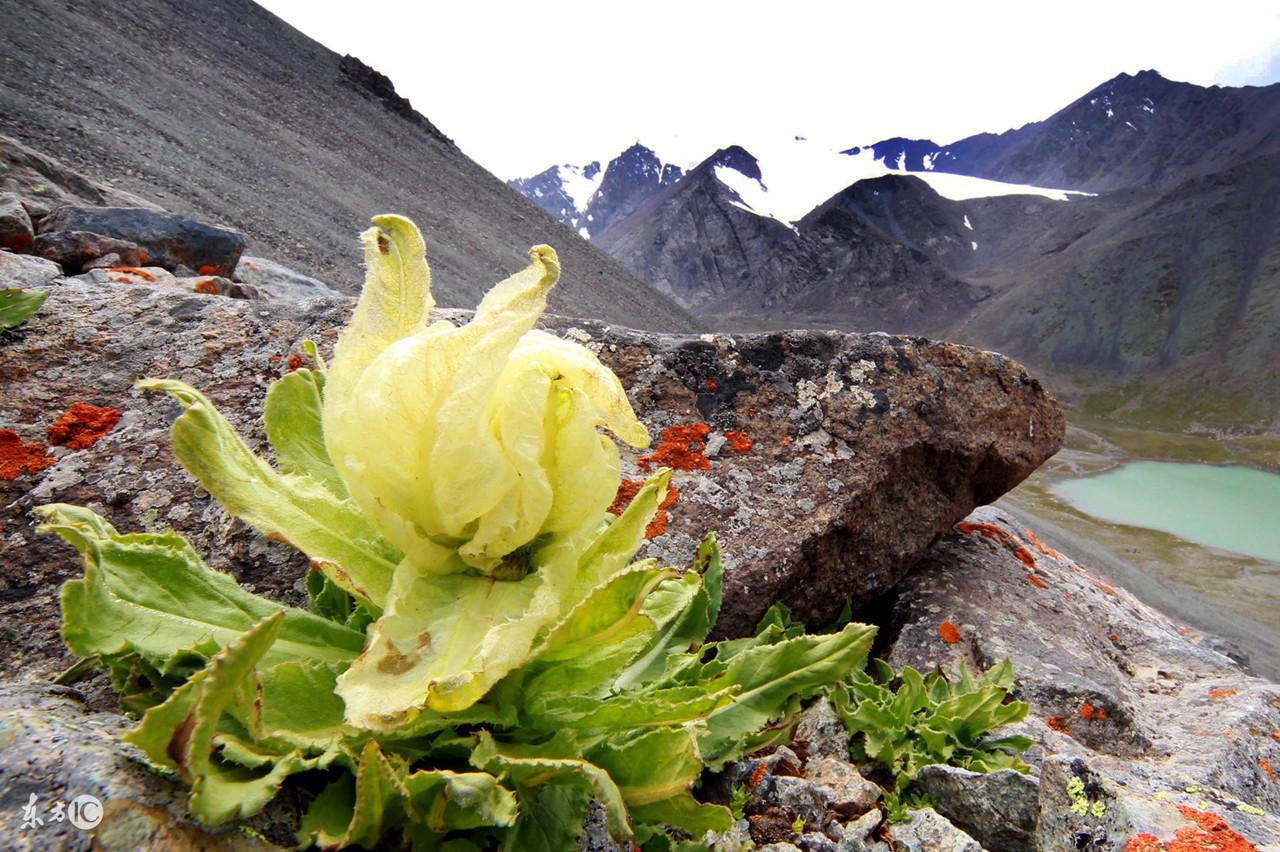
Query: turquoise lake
point(1234, 508)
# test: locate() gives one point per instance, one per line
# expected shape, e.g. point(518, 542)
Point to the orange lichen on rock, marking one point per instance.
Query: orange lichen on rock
point(1143, 843)
point(1037, 582)
point(1104, 588)
point(206, 286)
point(757, 775)
point(1059, 724)
point(681, 449)
point(659, 523)
point(17, 458)
point(739, 440)
point(126, 272)
point(711, 385)
point(627, 490)
point(82, 426)
point(1092, 714)
point(1000, 536)
point(1267, 768)
point(208, 270)
point(1041, 546)
point(1210, 834)
point(295, 363)
point(990, 531)
point(949, 632)
point(1221, 693)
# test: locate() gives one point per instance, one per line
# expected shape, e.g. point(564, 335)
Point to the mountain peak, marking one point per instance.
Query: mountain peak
point(739, 159)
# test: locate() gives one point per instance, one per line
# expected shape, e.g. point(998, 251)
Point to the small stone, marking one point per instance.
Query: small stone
point(845, 784)
point(105, 262)
point(929, 831)
point(864, 826)
point(813, 841)
point(999, 809)
point(278, 283)
point(16, 231)
point(72, 250)
point(24, 270)
point(822, 729)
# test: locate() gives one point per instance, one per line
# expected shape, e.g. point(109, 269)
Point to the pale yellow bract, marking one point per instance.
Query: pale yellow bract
point(476, 451)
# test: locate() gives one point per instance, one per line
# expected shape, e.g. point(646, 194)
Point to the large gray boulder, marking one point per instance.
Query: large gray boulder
point(863, 449)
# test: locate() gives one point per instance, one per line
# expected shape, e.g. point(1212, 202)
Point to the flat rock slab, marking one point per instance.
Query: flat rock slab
point(828, 462)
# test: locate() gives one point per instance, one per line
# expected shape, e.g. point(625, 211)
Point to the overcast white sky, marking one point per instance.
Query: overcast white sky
point(523, 86)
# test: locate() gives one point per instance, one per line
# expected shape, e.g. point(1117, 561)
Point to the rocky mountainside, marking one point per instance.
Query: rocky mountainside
point(1153, 292)
point(222, 112)
point(832, 268)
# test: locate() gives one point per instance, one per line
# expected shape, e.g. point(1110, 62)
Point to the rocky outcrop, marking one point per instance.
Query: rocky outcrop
point(278, 283)
point(826, 463)
point(1135, 718)
point(257, 127)
point(16, 231)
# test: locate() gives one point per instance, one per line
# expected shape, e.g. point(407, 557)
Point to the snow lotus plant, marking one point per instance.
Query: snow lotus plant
point(480, 657)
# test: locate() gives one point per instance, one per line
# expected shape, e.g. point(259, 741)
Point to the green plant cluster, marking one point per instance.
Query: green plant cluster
point(928, 720)
point(481, 656)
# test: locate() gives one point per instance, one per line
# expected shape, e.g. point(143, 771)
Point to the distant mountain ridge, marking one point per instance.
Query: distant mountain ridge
point(590, 199)
point(1153, 280)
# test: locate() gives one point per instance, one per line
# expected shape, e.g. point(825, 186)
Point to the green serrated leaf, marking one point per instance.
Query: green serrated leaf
point(152, 595)
point(180, 733)
point(291, 415)
point(683, 614)
point(556, 763)
point(292, 508)
point(685, 813)
point(551, 814)
point(770, 676)
point(327, 599)
point(326, 821)
point(446, 801)
point(380, 797)
point(17, 306)
point(650, 766)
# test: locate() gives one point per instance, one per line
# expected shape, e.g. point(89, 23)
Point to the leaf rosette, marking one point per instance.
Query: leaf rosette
point(473, 606)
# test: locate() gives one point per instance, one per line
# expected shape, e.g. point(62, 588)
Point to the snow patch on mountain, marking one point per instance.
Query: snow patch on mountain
point(580, 183)
point(753, 195)
point(798, 175)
